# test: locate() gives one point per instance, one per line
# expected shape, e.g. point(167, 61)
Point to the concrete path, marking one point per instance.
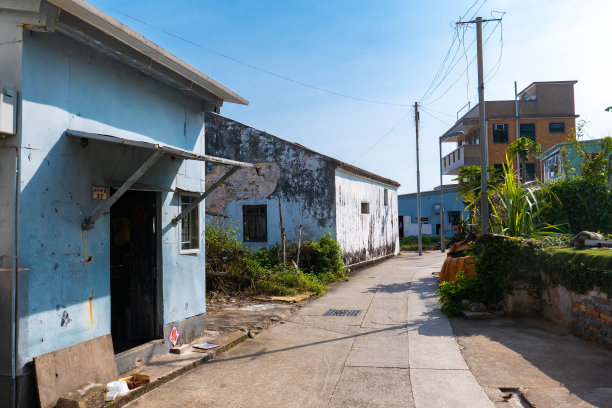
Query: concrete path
point(396, 350)
point(551, 367)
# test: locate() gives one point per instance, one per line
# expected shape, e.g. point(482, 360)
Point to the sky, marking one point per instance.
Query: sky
point(381, 57)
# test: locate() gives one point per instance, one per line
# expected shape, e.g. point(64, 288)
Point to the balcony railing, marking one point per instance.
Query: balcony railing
point(465, 155)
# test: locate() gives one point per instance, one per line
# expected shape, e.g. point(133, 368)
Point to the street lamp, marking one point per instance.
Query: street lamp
point(442, 235)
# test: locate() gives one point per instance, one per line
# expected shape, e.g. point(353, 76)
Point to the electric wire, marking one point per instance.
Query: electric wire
point(383, 136)
point(445, 59)
point(246, 64)
point(460, 75)
point(426, 111)
point(497, 64)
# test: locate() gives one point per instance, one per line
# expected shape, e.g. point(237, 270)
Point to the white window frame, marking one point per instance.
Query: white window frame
point(186, 219)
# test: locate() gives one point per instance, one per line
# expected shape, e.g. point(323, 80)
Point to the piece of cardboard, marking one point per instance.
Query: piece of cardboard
point(61, 371)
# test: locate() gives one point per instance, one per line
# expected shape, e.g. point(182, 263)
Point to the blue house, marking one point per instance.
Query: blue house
point(101, 179)
point(454, 210)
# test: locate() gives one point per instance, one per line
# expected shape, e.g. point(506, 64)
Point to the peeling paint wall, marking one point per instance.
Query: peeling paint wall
point(365, 236)
point(302, 178)
point(65, 295)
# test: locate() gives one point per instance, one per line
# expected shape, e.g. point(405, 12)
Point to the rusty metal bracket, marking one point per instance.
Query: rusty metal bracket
point(103, 207)
point(205, 194)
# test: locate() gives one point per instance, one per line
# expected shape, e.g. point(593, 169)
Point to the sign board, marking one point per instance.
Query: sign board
point(174, 335)
point(99, 193)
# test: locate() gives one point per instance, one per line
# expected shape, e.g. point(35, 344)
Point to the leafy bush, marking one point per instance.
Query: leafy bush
point(506, 264)
point(261, 271)
point(586, 205)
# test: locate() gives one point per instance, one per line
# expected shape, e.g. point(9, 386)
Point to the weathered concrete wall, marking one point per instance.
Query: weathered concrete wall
point(302, 178)
point(68, 85)
point(365, 236)
point(588, 315)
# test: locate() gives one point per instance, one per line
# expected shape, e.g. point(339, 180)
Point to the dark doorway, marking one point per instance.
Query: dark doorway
point(401, 226)
point(133, 269)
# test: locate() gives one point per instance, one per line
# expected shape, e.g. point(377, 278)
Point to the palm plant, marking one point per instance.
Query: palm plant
point(516, 210)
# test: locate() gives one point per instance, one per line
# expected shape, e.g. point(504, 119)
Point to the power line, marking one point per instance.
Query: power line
point(443, 65)
point(497, 64)
point(435, 117)
point(383, 136)
point(460, 75)
point(246, 64)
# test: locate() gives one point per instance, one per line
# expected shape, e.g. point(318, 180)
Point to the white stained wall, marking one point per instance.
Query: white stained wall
point(365, 236)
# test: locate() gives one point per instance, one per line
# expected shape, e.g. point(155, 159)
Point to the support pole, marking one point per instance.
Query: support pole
point(416, 122)
point(442, 233)
point(205, 194)
point(518, 133)
point(104, 206)
point(484, 139)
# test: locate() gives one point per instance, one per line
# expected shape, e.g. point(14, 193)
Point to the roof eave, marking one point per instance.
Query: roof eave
point(105, 23)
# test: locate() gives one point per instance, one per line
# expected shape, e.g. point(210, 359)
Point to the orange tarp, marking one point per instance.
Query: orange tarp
point(452, 266)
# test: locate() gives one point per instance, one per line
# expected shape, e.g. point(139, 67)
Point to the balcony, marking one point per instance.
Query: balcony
point(465, 155)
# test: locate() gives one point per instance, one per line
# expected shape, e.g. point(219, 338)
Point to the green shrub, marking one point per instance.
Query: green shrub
point(586, 205)
point(261, 270)
point(506, 264)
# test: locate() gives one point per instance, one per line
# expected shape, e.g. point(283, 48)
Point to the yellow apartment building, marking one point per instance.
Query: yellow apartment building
point(546, 114)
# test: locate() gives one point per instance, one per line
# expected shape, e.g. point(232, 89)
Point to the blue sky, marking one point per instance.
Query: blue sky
point(387, 51)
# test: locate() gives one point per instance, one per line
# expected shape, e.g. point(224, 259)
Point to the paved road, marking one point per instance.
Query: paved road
point(398, 351)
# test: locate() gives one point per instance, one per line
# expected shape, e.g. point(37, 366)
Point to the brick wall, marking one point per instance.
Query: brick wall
point(497, 151)
point(592, 317)
point(588, 316)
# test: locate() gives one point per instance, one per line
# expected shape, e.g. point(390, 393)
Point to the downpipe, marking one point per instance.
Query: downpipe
point(15, 290)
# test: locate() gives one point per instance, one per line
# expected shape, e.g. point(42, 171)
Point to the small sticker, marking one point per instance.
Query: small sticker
point(99, 193)
point(174, 335)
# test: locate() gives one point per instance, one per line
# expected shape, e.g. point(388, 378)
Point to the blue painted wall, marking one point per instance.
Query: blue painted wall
point(67, 85)
point(407, 204)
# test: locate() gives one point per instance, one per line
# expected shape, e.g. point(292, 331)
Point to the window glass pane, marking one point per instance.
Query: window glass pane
point(531, 173)
point(556, 127)
point(255, 223)
point(190, 225)
point(528, 130)
point(500, 133)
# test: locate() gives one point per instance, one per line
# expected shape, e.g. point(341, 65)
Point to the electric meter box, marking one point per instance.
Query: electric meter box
point(8, 109)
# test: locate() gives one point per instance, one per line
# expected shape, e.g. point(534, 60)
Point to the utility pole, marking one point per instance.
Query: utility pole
point(416, 122)
point(484, 138)
point(442, 234)
point(518, 133)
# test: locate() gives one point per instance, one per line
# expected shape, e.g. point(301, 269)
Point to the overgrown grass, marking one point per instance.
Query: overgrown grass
point(262, 272)
point(428, 243)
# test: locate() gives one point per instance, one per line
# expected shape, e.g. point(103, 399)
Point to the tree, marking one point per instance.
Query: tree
point(469, 188)
point(523, 148)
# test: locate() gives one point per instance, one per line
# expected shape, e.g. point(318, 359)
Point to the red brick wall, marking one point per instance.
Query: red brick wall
point(497, 151)
point(592, 317)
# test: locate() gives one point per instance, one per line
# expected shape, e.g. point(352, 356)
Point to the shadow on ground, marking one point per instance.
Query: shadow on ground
point(536, 355)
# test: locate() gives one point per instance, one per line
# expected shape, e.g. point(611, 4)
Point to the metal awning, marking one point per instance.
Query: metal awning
point(158, 151)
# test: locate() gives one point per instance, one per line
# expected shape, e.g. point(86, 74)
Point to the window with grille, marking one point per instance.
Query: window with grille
point(255, 223)
point(500, 133)
point(190, 226)
point(386, 197)
point(365, 208)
